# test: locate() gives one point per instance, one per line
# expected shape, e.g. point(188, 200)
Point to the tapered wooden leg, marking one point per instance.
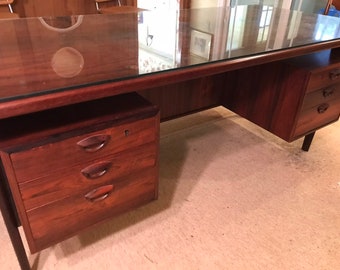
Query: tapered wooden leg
point(307, 141)
point(12, 228)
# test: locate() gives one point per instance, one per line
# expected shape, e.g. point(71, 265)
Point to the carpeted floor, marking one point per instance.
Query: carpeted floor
point(231, 196)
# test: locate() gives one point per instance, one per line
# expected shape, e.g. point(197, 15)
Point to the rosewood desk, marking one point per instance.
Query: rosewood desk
point(278, 68)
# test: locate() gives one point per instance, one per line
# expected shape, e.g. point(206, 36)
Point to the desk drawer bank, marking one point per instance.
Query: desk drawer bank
point(291, 98)
point(76, 166)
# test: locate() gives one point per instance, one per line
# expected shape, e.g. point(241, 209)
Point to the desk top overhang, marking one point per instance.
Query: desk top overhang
point(48, 62)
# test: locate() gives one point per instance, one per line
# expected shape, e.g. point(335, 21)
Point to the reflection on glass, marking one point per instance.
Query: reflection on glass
point(267, 12)
point(113, 49)
point(249, 27)
point(257, 29)
point(67, 62)
point(326, 28)
point(62, 24)
point(237, 26)
point(200, 44)
point(158, 35)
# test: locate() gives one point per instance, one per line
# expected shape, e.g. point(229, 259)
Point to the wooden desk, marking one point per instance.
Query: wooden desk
point(257, 70)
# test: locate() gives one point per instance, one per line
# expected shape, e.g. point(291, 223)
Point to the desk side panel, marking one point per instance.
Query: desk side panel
point(268, 95)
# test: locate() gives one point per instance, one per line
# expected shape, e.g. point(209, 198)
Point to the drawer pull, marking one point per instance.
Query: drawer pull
point(94, 143)
point(96, 170)
point(328, 92)
point(99, 194)
point(323, 108)
point(335, 74)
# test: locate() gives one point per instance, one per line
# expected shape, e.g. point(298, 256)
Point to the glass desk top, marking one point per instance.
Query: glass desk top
point(46, 55)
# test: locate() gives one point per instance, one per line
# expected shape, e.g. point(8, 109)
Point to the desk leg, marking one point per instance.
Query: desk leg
point(307, 141)
point(11, 225)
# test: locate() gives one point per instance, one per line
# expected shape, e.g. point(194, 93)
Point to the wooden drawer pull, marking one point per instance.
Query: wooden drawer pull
point(335, 74)
point(328, 92)
point(323, 108)
point(99, 194)
point(96, 170)
point(94, 143)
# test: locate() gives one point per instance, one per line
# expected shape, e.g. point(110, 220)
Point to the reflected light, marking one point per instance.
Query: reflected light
point(327, 27)
point(67, 62)
point(62, 24)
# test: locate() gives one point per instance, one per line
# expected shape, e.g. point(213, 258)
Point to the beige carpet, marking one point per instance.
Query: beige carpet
point(231, 196)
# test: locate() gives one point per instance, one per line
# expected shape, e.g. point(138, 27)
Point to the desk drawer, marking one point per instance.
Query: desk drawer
point(318, 97)
point(42, 160)
point(317, 116)
point(324, 77)
point(56, 221)
point(71, 181)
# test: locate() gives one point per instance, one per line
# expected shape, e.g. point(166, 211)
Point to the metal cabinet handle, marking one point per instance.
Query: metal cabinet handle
point(96, 170)
point(335, 74)
point(323, 108)
point(94, 143)
point(99, 194)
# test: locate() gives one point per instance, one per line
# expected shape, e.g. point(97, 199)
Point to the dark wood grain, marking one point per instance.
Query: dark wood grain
point(43, 127)
point(54, 112)
point(36, 161)
point(134, 191)
point(282, 97)
point(68, 181)
point(49, 187)
point(182, 98)
point(318, 116)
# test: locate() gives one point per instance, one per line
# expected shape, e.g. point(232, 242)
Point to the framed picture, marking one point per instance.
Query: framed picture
point(200, 44)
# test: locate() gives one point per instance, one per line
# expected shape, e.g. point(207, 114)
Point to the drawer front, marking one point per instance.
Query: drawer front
point(323, 95)
point(317, 117)
point(324, 78)
point(41, 161)
point(74, 180)
point(52, 223)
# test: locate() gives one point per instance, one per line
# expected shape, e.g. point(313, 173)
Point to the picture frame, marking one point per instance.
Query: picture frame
point(200, 44)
